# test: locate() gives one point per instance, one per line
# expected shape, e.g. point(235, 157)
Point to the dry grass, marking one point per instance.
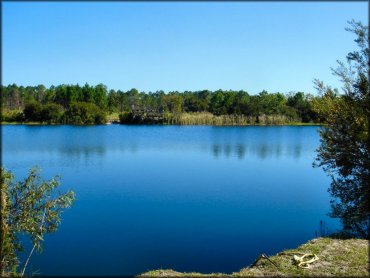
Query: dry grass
point(113, 117)
point(337, 257)
point(206, 118)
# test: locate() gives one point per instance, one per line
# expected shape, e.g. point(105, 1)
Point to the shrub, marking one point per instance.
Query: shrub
point(81, 113)
point(51, 113)
point(12, 116)
point(32, 111)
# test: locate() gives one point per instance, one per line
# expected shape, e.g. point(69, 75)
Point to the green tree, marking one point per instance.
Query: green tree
point(61, 95)
point(87, 93)
point(84, 113)
point(241, 102)
point(32, 111)
point(40, 91)
point(302, 106)
point(30, 207)
point(113, 101)
point(13, 96)
point(344, 153)
point(173, 102)
point(204, 99)
point(51, 113)
point(254, 107)
point(191, 102)
point(123, 101)
point(100, 95)
point(217, 103)
point(133, 99)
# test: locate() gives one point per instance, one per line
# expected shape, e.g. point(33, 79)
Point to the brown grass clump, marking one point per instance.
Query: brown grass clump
point(206, 118)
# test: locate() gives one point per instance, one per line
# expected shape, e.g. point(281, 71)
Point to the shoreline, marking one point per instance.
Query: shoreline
point(115, 123)
point(336, 257)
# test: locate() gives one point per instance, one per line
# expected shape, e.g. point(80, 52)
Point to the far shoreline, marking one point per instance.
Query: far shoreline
point(143, 124)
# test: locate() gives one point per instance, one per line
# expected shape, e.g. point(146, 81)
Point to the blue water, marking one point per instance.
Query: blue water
point(191, 198)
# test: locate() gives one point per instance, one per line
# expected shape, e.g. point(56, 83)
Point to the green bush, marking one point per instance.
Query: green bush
point(37, 112)
point(32, 112)
point(51, 113)
point(12, 116)
point(81, 113)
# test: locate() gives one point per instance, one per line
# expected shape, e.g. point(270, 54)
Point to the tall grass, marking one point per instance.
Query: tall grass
point(206, 118)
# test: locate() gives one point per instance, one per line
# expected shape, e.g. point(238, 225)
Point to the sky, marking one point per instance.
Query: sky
point(273, 46)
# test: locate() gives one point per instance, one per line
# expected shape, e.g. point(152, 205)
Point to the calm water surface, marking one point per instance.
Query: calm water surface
point(191, 198)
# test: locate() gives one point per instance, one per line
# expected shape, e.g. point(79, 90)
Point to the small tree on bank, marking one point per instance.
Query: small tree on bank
point(30, 207)
point(344, 153)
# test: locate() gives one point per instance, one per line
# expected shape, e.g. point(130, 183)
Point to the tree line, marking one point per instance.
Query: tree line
point(75, 104)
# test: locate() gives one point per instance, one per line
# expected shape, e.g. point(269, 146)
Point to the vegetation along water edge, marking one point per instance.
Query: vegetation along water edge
point(87, 105)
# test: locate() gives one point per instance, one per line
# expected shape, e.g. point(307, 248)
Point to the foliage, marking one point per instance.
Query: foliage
point(82, 113)
point(301, 104)
point(37, 112)
point(35, 101)
point(12, 116)
point(32, 111)
point(30, 207)
point(344, 153)
point(141, 118)
point(51, 113)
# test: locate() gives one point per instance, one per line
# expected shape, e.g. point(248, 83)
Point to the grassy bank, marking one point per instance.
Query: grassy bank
point(206, 118)
point(287, 124)
point(337, 257)
point(113, 117)
point(26, 123)
point(196, 118)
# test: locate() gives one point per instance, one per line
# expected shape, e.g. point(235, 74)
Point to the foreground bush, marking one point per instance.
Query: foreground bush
point(30, 208)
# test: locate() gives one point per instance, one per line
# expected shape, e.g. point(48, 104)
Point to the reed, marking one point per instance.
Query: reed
point(206, 118)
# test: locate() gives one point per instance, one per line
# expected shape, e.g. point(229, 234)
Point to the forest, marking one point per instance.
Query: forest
point(84, 105)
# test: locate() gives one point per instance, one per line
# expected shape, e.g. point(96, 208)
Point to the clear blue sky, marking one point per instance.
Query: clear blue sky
point(279, 46)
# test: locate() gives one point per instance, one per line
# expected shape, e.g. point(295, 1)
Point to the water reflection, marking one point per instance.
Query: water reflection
point(95, 142)
point(239, 150)
point(82, 151)
point(262, 151)
point(212, 197)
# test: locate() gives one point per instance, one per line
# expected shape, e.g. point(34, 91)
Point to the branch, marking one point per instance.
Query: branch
point(34, 245)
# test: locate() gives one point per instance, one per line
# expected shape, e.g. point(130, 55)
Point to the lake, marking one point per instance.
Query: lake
point(188, 198)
